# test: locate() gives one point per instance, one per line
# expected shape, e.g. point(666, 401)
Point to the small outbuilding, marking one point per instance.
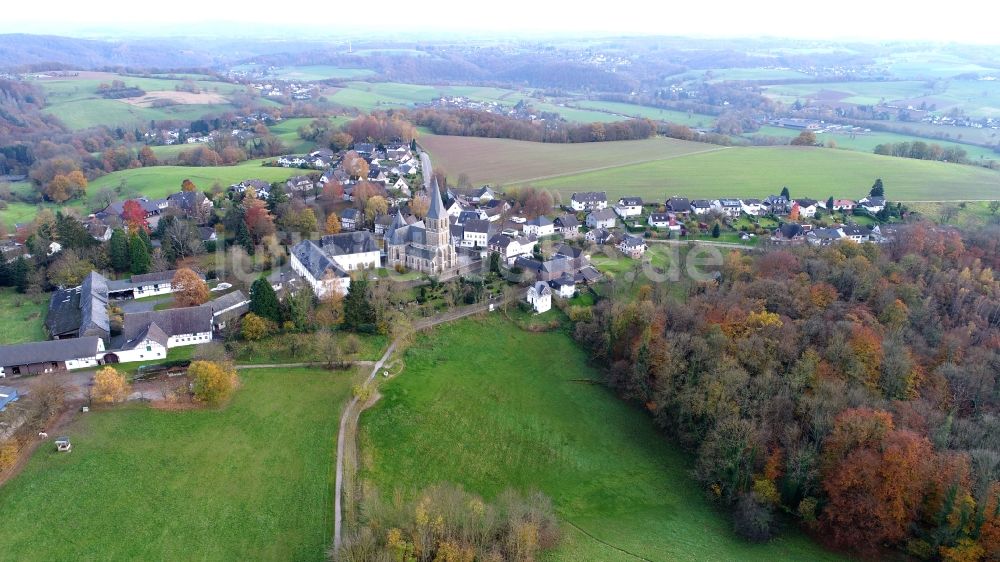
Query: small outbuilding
point(63, 445)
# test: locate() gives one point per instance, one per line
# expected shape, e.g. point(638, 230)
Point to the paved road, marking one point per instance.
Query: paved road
point(353, 410)
point(426, 169)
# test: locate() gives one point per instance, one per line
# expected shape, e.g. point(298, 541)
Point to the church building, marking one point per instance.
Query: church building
point(423, 246)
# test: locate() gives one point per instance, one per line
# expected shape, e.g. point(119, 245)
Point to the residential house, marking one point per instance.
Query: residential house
point(807, 207)
point(845, 205)
point(701, 207)
point(660, 220)
point(540, 297)
point(564, 286)
point(190, 204)
point(350, 218)
point(475, 214)
point(299, 183)
point(567, 225)
point(292, 161)
point(50, 356)
point(602, 218)
point(260, 187)
point(632, 246)
point(729, 207)
point(511, 247)
point(471, 234)
point(326, 264)
point(589, 200)
point(600, 236)
point(227, 308)
point(335, 174)
point(377, 175)
point(872, 204)
point(629, 207)
point(788, 232)
point(824, 236)
point(679, 206)
point(777, 205)
point(753, 207)
point(856, 233)
point(402, 187)
point(539, 227)
point(364, 148)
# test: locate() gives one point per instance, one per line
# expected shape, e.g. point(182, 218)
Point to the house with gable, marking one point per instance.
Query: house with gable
point(588, 200)
point(540, 297)
point(327, 264)
point(601, 218)
point(629, 207)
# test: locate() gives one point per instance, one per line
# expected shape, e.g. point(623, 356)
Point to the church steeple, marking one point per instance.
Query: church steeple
point(437, 210)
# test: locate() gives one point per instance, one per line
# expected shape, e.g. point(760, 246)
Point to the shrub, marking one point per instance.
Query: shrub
point(753, 519)
point(213, 382)
point(110, 386)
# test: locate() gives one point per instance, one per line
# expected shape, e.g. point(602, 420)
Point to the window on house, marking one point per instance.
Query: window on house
point(149, 348)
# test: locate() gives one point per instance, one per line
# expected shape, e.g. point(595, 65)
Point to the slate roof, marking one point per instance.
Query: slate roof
point(603, 214)
point(186, 201)
point(315, 260)
point(630, 201)
point(93, 306)
point(235, 298)
point(350, 214)
point(540, 221)
point(855, 230)
point(437, 210)
point(173, 321)
point(346, 243)
point(678, 204)
point(64, 312)
point(589, 196)
point(701, 204)
point(789, 230)
point(659, 217)
point(477, 225)
point(567, 221)
point(633, 241)
point(569, 251)
point(45, 351)
point(541, 288)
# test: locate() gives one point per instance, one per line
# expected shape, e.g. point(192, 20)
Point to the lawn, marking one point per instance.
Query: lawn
point(368, 96)
point(252, 481)
point(808, 172)
point(22, 317)
point(456, 414)
point(504, 161)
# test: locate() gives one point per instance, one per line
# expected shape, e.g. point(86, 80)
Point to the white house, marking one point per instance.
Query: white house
point(872, 204)
point(701, 206)
point(326, 265)
point(473, 233)
point(845, 205)
point(855, 233)
point(659, 220)
point(807, 207)
point(541, 226)
point(629, 207)
point(402, 187)
point(349, 219)
point(564, 286)
point(540, 297)
point(601, 218)
point(754, 207)
point(632, 246)
point(511, 247)
point(729, 207)
point(588, 200)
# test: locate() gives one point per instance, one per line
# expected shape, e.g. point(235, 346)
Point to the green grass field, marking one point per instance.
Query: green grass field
point(504, 161)
point(320, 72)
point(368, 96)
point(868, 141)
point(633, 110)
point(22, 317)
point(75, 100)
point(252, 481)
point(808, 172)
point(457, 414)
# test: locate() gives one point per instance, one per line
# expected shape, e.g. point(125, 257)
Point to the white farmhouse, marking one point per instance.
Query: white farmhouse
point(541, 226)
point(629, 207)
point(589, 201)
point(148, 335)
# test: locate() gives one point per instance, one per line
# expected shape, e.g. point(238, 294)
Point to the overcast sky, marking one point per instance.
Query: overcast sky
point(966, 21)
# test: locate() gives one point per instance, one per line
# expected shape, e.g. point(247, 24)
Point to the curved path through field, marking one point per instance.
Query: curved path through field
point(349, 419)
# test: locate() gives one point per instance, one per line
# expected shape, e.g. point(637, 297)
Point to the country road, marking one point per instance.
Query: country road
point(352, 412)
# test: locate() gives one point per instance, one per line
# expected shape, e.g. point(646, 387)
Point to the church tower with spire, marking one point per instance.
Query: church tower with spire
point(423, 246)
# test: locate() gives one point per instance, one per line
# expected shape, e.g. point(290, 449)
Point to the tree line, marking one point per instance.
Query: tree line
point(471, 123)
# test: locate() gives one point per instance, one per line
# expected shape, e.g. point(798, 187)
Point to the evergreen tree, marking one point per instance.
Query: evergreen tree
point(716, 231)
point(877, 189)
point(276, 197)
point(829, 204)
point(785, 193)
point(118, 250)
point(263, 300)
point(243, 237)
point(139, 255)
point(495, 263)
point(5, 273)
point(72, 234)
point(413, 145)
point(358, 311)
point(19, 275)
point(144, 236)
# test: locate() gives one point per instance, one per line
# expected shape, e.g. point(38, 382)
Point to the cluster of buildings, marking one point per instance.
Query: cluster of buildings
point(82, 333)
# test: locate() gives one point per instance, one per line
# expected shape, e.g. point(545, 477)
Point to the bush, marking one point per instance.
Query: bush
point(447, 523)
point(753, 519)
point(110, 386)
point(213, 382)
